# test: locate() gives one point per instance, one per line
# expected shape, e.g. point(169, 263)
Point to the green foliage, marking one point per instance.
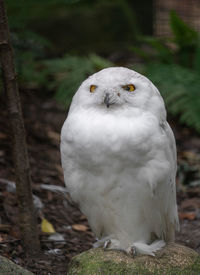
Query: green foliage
point(30, 50)
point(184, 35)
point(175, 69)
point(186, 40)
point(159, 50)
point(180, 49)
point(180, 88)
point(73, 27)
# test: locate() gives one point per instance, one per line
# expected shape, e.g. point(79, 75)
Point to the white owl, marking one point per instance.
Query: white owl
point(119, 160)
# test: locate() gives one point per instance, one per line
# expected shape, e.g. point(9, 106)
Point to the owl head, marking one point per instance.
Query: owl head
point(119, 88)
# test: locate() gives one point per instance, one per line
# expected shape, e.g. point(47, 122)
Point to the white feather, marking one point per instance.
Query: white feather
point(120, 162)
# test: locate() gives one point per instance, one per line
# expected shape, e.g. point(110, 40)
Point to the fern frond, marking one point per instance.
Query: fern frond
point(180, 88)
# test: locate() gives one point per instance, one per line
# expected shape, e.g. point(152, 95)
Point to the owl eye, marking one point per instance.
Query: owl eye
point(92, 88)
point(129, 87)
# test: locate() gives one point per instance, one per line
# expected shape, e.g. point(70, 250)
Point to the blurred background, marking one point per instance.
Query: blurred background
point(57, 44)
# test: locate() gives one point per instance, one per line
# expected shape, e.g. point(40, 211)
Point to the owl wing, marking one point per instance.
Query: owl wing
point(169, 213)
point(163, 219)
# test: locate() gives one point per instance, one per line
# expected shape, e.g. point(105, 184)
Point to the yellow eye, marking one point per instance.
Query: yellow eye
point(129, 87)
point(92, 88)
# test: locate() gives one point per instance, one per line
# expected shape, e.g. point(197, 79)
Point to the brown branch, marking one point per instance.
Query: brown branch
point(27, 214)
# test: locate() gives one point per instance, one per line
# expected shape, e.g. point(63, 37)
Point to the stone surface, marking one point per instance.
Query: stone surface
point(7, 267)
point(172, 259)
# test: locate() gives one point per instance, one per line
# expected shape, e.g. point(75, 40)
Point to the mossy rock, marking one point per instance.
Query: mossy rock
point(7, 267)
point(173, 259)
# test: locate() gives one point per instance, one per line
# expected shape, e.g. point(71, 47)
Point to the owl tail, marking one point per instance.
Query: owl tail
point(141, 248)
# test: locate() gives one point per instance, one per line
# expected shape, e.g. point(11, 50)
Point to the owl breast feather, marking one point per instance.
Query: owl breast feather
point(112, 135)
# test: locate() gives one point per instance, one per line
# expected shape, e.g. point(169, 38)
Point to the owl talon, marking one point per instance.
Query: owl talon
point(107, 244)
point(132, 251)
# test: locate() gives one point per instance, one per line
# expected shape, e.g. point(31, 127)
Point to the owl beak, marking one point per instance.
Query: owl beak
point(107, 100)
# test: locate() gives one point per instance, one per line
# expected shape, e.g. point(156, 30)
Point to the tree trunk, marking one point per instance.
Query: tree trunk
point(27, 217)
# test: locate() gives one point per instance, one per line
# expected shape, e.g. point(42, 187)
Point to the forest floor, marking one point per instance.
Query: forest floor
point(43, 122)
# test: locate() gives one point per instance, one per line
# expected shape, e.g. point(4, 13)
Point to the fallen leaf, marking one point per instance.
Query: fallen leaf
point(187, 215)
point(80, 227)
point(47, 227)
point(54, 135)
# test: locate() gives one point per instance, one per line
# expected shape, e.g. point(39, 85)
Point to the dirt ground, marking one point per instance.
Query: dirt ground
point(43, 122)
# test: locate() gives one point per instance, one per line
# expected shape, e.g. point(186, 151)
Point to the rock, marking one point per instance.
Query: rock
point(173, 259)
point(7, 267)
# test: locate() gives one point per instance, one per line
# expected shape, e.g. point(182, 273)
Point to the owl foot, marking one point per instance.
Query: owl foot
point(108, 243)
point(102, 243)
point(132, 251)
point(142, 248)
